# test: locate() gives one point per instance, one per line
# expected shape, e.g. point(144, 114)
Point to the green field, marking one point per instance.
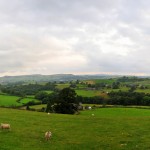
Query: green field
point(88, 93)
point(107, 81)
point(39, 106)
point(143, 90)
point(26, 100)
point(49, 92)
point(107, 129)
point(61, 86)
point(9, 101)
point(6, 100)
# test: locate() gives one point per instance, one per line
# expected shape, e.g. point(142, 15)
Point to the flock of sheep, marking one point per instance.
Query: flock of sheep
point(48, 134)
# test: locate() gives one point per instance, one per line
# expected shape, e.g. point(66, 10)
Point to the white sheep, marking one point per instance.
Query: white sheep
point(5, 126)
point(48, 134)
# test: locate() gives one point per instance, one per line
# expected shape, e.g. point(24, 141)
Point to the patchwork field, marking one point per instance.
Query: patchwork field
point(6, 100)
point(26, 100)
point(88, 93)
point(9, 101)
point(61, 86)
point(98, 129)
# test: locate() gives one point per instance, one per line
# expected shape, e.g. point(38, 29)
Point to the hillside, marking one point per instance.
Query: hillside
point(46, 78)
point(108, 129)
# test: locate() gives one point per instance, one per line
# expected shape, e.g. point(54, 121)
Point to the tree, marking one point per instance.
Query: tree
point(115, 85)
point(49, 107)
point(52, 98)
point(41, 95)
point(146, 100)
point(68, 95)
point(67, 102)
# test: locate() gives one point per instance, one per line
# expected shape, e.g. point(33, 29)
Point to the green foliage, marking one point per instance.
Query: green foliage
point(129, 79)
point(115, 85)
point(128, 98)
point(41, 95)
point(146, 100)
point(65, 108)
point(88, 91)
point(67, 102)
point(68, 95)
point(29, 89)
point(91, 100)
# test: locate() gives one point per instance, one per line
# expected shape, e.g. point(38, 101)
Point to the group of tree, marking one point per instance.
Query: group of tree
point(66, 101)
point(91, 100)
point(63, 101)
point(128, 98)
point(26, 89)
point(131, 79)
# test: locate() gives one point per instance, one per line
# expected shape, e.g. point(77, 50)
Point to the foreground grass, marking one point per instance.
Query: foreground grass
point(107, 129)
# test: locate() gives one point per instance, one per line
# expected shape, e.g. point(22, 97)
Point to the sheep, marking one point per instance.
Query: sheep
point(5, 126)
point(48, 134)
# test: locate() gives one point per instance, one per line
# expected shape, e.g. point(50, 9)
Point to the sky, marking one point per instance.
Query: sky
point(75, 37)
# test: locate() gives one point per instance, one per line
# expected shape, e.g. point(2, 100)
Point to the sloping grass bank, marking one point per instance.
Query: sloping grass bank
point(106, 129)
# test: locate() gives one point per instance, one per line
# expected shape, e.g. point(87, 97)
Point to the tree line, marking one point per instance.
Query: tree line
point(128, 98)
point(26, 89)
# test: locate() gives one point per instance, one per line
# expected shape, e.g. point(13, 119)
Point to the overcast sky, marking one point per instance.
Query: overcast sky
point(74, 36)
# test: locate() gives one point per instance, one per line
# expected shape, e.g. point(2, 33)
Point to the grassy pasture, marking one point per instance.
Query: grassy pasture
point(81, 86)
point(88, 93)
point(26, 100)
point(6, 100)
point(108, 129)
point(39, 106)
point(107, 81)
point(143, 90)
point(61, 86)
point(48, 91)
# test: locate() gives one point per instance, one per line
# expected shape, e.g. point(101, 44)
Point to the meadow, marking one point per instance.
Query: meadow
point(13, 101)
point(88, 93)
point(28, 99)
point(97, 129)
point(6, 100)
point(61, 86)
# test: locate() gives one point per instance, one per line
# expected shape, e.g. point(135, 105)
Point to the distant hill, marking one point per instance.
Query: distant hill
point(50, 78)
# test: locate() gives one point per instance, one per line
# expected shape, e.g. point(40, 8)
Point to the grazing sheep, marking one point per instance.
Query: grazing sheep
point(5, 126)
point(48, 134)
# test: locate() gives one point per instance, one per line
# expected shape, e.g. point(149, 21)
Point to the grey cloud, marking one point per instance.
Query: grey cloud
point(58, 12)
point(50, 36)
